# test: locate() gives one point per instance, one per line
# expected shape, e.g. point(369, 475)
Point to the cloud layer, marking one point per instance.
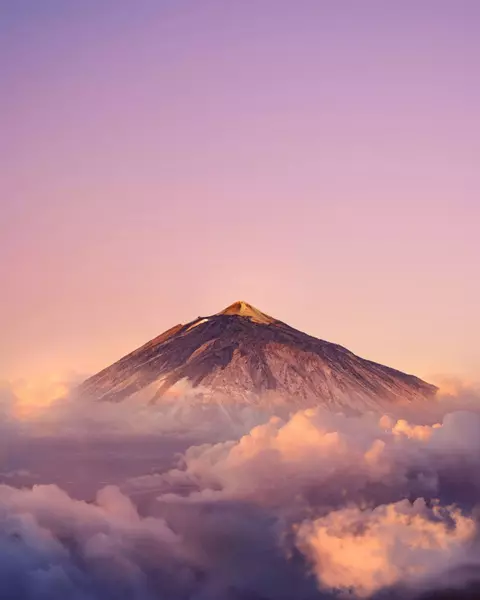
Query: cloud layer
point(370, 499)
point(317, 505)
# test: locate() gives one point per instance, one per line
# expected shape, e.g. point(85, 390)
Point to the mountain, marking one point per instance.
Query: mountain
point(243, 357)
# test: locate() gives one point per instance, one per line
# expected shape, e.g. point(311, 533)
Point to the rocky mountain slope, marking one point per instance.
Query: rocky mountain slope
point(241, 356)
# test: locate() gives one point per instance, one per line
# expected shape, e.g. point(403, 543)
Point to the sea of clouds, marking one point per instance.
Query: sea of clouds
point(129, 501)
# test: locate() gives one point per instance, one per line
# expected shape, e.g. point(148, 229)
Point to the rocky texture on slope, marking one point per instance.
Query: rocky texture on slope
point(241, 356)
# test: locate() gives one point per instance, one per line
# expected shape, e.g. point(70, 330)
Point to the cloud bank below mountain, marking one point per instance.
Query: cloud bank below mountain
point(317, 505)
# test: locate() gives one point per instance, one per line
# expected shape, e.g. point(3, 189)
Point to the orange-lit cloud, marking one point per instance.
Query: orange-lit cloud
point(34, 396)
point(366, 550)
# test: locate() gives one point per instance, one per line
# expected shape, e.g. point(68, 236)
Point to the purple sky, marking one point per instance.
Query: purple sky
point(161, 159)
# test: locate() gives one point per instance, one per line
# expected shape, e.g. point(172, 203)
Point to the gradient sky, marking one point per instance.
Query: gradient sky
point(317, 158)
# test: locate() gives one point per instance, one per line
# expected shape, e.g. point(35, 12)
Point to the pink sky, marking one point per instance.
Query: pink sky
point(319, 159)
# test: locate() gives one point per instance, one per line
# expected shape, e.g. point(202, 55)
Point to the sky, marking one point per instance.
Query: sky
point(160, 160)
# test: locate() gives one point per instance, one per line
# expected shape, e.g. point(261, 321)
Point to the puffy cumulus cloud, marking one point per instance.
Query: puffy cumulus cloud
point(271, 508)
point(279, 462)
point(353, 489)
point(318, 459)
point(53, 547)
point(363, 551)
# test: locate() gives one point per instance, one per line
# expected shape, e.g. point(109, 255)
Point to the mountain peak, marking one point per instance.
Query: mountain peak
point(246, 310)
point(243, 357)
